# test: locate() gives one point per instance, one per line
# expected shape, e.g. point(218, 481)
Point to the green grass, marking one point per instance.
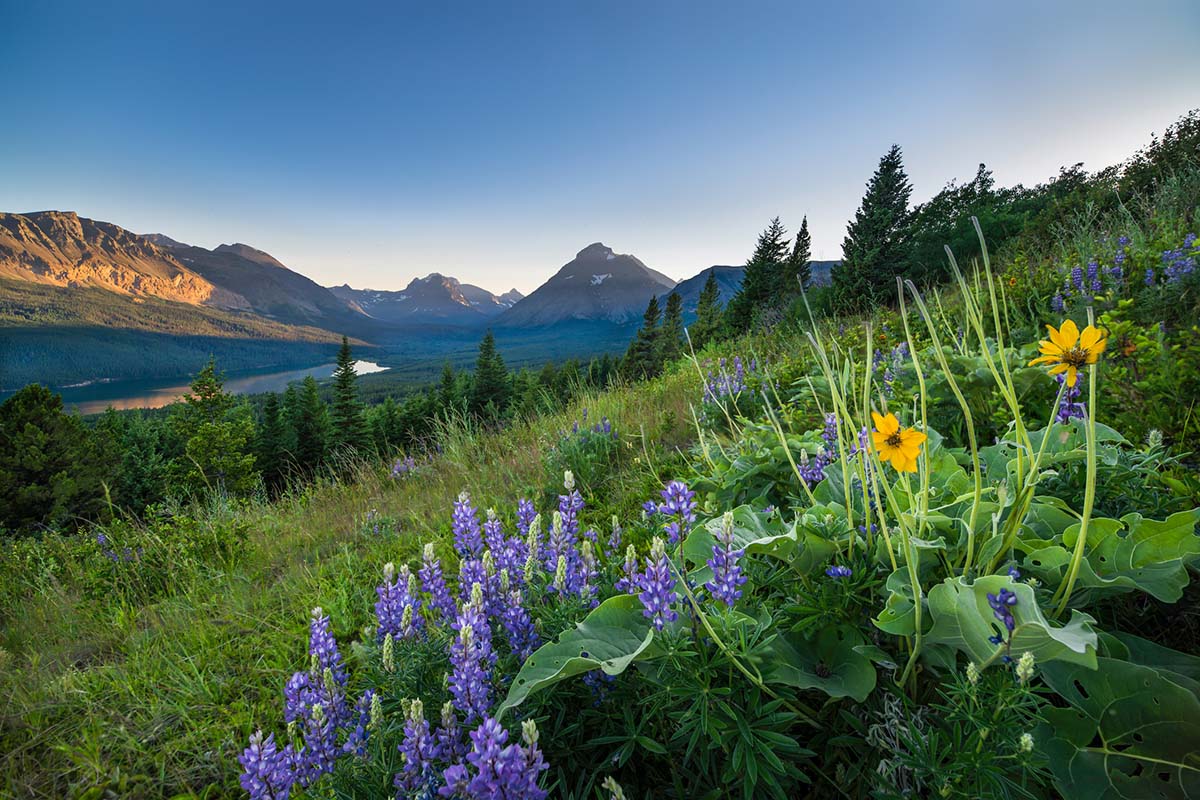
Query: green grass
point(157, 699)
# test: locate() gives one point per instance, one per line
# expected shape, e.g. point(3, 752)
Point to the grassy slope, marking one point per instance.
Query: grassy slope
point(158, 700)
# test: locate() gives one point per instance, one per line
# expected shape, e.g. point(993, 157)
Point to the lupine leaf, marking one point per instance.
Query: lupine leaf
point(613, 636)
point(1130, 732)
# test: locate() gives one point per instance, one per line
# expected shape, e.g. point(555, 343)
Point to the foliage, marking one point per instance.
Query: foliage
point(873, 251)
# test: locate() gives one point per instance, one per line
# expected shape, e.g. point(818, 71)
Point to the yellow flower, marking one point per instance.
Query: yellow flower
point(1069, 350)
point(899, 445)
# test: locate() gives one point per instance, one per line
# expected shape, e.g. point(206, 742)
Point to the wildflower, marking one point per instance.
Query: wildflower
point(727, 574)
point(323, 648)
point(1014, 573)
point(838, 572)
point(657, 586)
point(678, 502)
point(972, 673)
point(587, 572)
point(533, 546)
point(468, 539)
point(471, 656)
point(449, 735)
point(519, 627)
point(899, 445)
point(389, 654)
point(1026, 742)
point(501, 770)
point(1070, 351)
point(267, 771)
point(398, 607)
point(1025, 667)
point(599, 682)
point(433, 583)
point(615, 792)
point(525, 514)
point(1070, 406)
point(628, 581)
point(417, 751)
point(614, 540)
point(1057, 303)
point(649, 508)
point(1001, 604)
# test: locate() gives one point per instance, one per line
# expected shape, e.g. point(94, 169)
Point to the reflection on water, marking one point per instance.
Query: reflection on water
point(123, 395)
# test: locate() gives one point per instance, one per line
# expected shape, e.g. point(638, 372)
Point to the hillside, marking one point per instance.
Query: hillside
point(598, 284)
point(434, 298)
point(728, 281)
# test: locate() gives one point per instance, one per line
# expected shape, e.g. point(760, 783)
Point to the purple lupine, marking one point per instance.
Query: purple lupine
point(525, 514)
point(519, 627)
point(587, 574)
point(627, 583)
point(450, 745)
point(1149, 280)
point(613, 546)
point(678, 503)
point(1077, 278)
point(838, 572)
point(727, 573)
point(404, 467)
point(1057, 303)
point(1002, 603)
point(471, 657)
point(323, 649)
point(656, 586)
point(267, 772)
point(418, 751)
point(1070, 406)
point(599, 682)
point(562, 547)
point(501, 771)
point(433, 583)
point(320, 751)
point(569, 505)
point(468, 539)
point(398, 609)
point(360, 721)
point(470, 572)
point(1093, 276)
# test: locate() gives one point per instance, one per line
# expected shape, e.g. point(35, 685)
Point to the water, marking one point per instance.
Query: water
point(122, 395)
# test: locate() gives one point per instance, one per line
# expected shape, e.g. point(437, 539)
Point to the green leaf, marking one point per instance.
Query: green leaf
point(1130, 733)
point(829, 661)
point(612, 637)
point(757, 534)
point(963, 620)
point(898, 616)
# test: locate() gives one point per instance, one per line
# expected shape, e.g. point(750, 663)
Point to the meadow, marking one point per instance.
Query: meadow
point(941, 548)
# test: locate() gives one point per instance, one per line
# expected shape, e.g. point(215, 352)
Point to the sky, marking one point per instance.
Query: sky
point(492, 141)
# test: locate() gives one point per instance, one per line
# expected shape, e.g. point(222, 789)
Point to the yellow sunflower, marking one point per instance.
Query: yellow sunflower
point(899, 445)
point(1069, 350)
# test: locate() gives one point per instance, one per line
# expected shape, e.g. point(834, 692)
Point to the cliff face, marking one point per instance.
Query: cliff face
point(60, 248)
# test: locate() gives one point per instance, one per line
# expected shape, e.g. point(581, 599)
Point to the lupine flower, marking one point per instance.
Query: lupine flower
point(587, 573)
point(649, 508)
point(1070, 351)
point(320, 751)
point(1149, 280)
point(323, 647)
point(562, 555)
point(493, 533)
point(1077, 278)
point(525, 514)
point(678, 503)
point(899, 445)
point(533, 544)
point(266, 770)
point(657, 586)
point(1014, 573)
point(972, 673)
point(433, 583)
point(356, 739)
point(1002, 604)
point(1093, 276)
point(468, 539)
point(1057, 304)
point(615, 792)
point(1024, 668)
point(727, 573)
point(628, 581)
point(519, 627)
point(598, 682)
point(398, 608)
point(501, 771)
point(470, 658)
point(404, 467)
point(417, 751)
point(838, 572)
point(614, 540)
point(1026, 743)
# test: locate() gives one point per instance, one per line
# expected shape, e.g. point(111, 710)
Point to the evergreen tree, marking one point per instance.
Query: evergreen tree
point(448, 395)
point(641, 360)
point(489, 390)
point(385, 426)
point(271, 446)
point(217, 433)
point(707, 326)
point(311, 425)
point(873, 250)
point(672, 344)
point(799, 267)
point(52, 473)
point(349, 426)
point(760, 282)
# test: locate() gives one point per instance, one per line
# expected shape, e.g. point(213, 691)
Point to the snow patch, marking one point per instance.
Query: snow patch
point(599, 279)
point(609, 257)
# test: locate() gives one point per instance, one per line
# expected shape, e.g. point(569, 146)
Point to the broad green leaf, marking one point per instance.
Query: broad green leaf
point(612, 637)
point(757, 534)
point(898, 616)
point(829, 661)
point(963, 620)
point(1130, 732)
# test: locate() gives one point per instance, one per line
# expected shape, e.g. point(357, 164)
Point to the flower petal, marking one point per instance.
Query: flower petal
point(1068, 334)
point(1091, 334)
point(885, 425)
point(1072, 375)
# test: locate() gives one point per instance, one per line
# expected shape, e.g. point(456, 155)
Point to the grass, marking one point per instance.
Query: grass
point(156, 699)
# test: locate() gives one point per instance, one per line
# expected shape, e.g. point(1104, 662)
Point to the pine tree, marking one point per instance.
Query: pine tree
point(217, 434)
point(448, 396)
point(271, 446)
point(641, 360)
point(799, 267)
point(489, 389)
point(873, 250)
point(311, 425)
point(760, 282)
point(707, 326)
point(671, 344)
point(349, 426)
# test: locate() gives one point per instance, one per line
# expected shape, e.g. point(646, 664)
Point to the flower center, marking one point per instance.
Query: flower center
point(894, 440)
point(1076, 358)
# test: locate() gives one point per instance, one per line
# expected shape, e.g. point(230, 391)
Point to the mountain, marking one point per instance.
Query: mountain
point(60, 248)
point(434, 298)
point(729, 279)
point(268, 287)
point(597, 284)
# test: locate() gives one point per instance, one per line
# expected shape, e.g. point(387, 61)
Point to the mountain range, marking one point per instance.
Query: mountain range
point(72, 289)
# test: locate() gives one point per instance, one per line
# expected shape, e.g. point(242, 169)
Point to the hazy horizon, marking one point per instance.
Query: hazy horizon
point(493, 143)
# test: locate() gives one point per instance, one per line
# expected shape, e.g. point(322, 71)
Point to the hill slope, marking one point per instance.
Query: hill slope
point(434, 298)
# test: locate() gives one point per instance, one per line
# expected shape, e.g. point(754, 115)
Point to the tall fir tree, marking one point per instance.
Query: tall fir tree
point(641, 359)
point(760, 281)
point(348, 423)
point(310, 423)
point(873, 250)
point(448, 396)
point(672, 344)
point(489, 389)
point(707, 326)
point(798, 274)
point(217, 434)
point(271, 446)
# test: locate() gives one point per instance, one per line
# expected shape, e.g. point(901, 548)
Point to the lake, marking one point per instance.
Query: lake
point(122, 395)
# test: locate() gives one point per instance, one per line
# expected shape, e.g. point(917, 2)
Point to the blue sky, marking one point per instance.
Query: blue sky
point(492, 141)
